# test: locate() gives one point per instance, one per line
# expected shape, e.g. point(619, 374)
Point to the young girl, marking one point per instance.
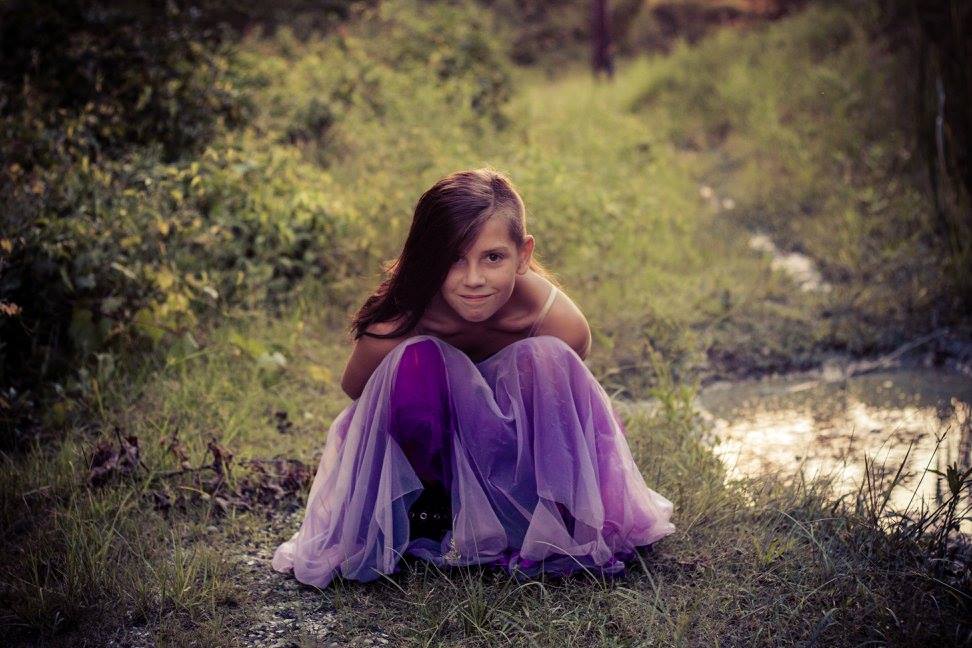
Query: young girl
point(476, 434)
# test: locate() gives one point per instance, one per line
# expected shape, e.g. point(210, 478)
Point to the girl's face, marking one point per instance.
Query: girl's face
point(481, 282)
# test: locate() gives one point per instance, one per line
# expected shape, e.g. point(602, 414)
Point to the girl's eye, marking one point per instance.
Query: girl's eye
point(494, 257)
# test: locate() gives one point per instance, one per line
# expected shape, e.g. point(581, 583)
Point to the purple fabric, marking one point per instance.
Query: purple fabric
point(526, 442)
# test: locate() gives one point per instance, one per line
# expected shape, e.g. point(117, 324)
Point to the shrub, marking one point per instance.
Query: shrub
point(169, 176)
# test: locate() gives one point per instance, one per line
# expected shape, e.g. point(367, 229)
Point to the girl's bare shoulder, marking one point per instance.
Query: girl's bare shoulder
point(567, 321)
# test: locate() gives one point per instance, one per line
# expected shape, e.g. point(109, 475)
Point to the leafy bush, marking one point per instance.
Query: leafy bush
point(82, 84)
point(138, 242)
point(87, 78)
point(373, 67)
point(137, 201)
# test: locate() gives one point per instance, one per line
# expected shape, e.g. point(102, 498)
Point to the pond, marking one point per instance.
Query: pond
point(825, 425)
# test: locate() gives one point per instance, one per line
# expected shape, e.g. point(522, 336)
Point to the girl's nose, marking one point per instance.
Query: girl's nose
point(474, 278)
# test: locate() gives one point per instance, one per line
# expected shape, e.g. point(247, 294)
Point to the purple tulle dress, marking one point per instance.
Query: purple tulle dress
point(526, 442)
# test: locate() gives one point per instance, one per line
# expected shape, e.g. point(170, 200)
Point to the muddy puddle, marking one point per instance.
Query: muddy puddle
point(827, 426)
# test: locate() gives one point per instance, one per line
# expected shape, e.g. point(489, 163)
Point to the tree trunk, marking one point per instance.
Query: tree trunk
point(601, 59)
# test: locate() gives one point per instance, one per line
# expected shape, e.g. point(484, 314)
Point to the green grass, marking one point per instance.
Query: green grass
point(611, 175)
point(767, 561)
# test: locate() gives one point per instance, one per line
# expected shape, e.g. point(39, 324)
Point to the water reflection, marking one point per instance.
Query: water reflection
point(827, 428)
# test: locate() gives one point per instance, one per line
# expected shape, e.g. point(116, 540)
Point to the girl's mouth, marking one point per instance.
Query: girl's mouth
point(474, 299)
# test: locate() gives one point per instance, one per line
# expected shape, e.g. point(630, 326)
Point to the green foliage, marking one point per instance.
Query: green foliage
point(120, 231)
point(85, 78)
point(373, 67)
point(938, 93)
point(136, 246)
point(347, 128)
point(543, 32)
point(822, 156)
point(85, 87)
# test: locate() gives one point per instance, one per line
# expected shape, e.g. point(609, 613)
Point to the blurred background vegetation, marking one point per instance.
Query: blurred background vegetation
point(165, 161)
point(195, 196)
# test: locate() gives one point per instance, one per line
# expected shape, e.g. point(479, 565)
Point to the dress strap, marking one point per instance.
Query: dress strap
point(543, 311)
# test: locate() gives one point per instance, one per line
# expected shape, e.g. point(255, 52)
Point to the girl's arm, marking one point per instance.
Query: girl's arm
point(566, 321)
point(367, 354)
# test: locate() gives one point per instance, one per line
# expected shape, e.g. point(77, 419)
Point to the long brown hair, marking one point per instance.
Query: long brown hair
point(447, 219)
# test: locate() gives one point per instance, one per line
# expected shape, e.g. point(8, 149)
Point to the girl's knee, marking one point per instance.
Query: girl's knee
point(420, 349)
point(420, 361)
point(546, 345)
point(544, 359)
point(420, 376)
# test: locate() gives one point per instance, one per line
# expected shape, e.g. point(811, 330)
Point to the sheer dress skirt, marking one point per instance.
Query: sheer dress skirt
point(525, 445)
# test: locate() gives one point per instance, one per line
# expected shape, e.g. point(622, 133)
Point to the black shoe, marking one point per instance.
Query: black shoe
point(430, 516)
